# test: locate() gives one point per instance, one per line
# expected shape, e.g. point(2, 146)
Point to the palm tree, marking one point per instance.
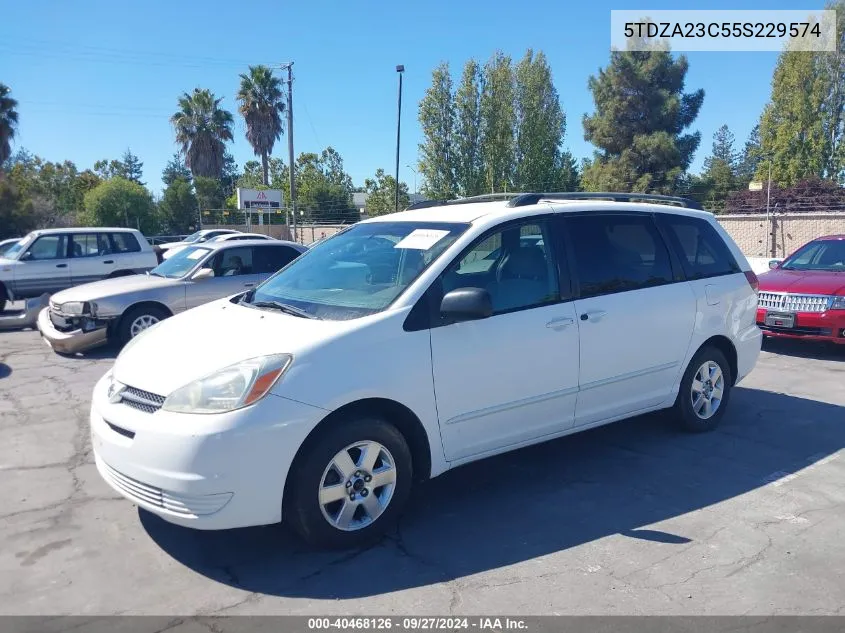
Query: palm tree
point(262, 107)
point(8, 122)
point(202, 129)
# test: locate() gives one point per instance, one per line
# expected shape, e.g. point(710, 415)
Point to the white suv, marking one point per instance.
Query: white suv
point(416, 342)
point(54, 259)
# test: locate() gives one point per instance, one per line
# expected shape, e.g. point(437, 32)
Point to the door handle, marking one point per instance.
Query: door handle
point(109, 261)
point(594, 315)
point(560, 323)
point(249, 285)
point(61, 265)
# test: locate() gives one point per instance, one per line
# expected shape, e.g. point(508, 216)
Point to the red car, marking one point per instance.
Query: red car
point(803, 296)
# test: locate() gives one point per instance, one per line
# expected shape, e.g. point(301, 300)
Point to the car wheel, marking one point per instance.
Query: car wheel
point(137, 320)
point(349, 486)
point(705, 390)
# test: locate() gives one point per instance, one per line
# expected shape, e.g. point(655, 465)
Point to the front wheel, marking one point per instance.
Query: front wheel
point(137, 320)
point(350, 485)
point(704, 392)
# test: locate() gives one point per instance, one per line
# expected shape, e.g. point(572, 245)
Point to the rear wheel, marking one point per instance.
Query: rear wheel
point(137, 320)
point(3, 297)
point(704, 392)
point(350, 485)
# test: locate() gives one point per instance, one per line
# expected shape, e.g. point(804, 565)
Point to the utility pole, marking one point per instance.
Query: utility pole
point(401, 70)
point(768, 200)
point(292, 182)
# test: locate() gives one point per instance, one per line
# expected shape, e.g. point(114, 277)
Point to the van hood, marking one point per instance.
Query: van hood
point(811, 282)
point(197, 342)
point(112, 287)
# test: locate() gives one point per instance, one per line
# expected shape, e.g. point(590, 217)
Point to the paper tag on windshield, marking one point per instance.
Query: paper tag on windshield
point(421, 239)
point(196, 254)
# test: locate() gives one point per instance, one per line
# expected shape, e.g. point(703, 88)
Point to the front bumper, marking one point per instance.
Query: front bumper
point(812, 326)
point(19, 319)
point(73, 341)
point(210, 472)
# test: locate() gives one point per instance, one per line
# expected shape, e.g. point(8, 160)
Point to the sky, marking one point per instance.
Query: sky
point(94, 78)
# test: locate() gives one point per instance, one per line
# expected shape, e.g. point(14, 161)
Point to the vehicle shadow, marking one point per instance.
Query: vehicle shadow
point(804, 349)
point(533, 502)
point(109, 351)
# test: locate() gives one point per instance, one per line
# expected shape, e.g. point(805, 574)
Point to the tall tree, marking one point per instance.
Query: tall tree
point(498, 117)
point(381, 192)
point(639, 122)
point(178, 206)
point(202, 129)
point(120, 202)
point(750, 157)
point(131, 167)
point(720, 170)
point(437, 118)
point(175, 169)
point(540, 126)
point(833, 120)
point(469, 175)
point(8, 122)
point(261, 104)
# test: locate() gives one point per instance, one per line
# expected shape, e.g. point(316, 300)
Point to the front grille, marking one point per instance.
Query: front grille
point(181, 504)
point(793, 302)
point(141, 400)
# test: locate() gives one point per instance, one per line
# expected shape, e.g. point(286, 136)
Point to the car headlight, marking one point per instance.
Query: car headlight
point(79, 308)
point(837, 303)
point(230, 388)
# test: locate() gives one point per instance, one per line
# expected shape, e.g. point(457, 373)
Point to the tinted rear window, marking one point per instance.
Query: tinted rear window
point(702, 251)
point(125, 243)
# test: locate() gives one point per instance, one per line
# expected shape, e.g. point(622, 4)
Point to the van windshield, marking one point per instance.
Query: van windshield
point(357, 272)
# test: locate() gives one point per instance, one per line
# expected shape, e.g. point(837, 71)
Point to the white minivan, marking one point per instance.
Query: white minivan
point(412, 343)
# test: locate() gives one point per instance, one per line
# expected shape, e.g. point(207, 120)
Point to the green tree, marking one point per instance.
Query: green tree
point(540, 126)
point(231, 173)
point(498, 118)
point(833, 120)
point(178, 207)
point(639, 122)
point(437, 118)
point(719, 178)
point(120, 202)
point(106, 169)
point(750, 157)
point(261, 104)
point(202, 130)
point(131, 167)
point(174, 170)
point(324, 189)
point(469, 173)
point(8, 122)
point(16, 218)
point(209, 193)
point(381, 196)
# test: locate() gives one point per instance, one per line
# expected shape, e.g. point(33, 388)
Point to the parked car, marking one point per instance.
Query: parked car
point(803, 296)
point(168, 249)
point(54, 259)
point(5, 245)
point(85, 317)
point(378, 359)
point(241, 236)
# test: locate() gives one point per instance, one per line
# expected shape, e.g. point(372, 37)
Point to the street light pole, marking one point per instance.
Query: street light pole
point(399, 69)
point(768, 200)
point(415, 178)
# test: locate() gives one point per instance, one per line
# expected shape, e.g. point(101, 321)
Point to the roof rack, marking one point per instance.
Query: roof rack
point(526, 199)
point(487, 197)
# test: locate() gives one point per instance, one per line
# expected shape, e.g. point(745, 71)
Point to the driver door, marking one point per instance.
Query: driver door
point(512, 378)
point(44, 267)
point(233, 273)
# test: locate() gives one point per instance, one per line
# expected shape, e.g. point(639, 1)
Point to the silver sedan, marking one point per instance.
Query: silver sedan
point(90, 315)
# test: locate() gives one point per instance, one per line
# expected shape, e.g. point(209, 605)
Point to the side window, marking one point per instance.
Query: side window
point(515, 265)
point(269, 259)
point(48, 247)
point(124, 243)
point(703, 253)
point(232, 262)
point(617, 253)
point(89, 244)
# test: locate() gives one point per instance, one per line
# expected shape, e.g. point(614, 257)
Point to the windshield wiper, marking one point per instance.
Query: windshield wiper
point(283, 307)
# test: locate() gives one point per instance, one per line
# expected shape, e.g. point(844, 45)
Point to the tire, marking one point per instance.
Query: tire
point(129, 323)
point(694, 418)
point(316, 469)
point(3, 297)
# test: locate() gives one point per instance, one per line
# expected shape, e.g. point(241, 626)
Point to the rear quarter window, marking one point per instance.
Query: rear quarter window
point(702, 251)
point(124, 243)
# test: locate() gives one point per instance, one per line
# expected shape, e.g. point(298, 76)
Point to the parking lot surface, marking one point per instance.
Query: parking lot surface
point(634, 518)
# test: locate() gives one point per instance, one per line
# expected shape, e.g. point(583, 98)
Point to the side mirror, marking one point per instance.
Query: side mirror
point(26, 257)
point(203, 273)
point(774, 263)
point(466, 304)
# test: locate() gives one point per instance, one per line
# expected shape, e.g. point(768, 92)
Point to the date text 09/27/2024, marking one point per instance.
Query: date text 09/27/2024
point(417, 623)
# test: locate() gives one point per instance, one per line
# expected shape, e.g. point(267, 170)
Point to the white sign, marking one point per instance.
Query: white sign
point(259, 199)
point(755, 185)
point(421, 239)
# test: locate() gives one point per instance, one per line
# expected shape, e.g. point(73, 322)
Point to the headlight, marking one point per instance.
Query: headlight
point(78, 308)
point(232, 387)
point(837, 303)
